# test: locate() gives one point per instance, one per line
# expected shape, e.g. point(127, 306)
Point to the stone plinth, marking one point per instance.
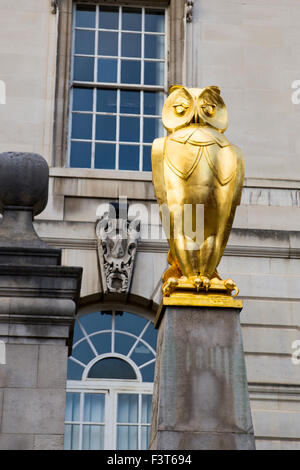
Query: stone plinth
point(200, 396)
point(38, 303)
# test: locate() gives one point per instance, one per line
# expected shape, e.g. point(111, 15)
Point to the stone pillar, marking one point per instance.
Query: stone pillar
point(38, 303)
point(200, 396)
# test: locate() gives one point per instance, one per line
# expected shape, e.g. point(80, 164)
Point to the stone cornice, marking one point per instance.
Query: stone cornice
point(162, 247)
point(58, 282)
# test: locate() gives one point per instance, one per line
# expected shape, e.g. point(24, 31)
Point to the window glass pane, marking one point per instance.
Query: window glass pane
point(141, 354)
point(94, 405)
point(131, 45)
point(153, 102)
point(96, 321)
point(147, 166)
point(84, 42)
point(130, 102)
point(82, 126)
point(148, 373)
point(127, 438)
point(71, 437)
point(129, 129)
point(109, 17)
point(102, 342)
point(112, 368)
point(77, 333)
point(152, 129)
point(155, 21)
point(145, 437)
point(72, 406)
point(107, 70)
point(123, 343)
point(130, 322)
point(82, 99)
point(75, 370)
point(129, 157)
point(107, 101)
point(130, 71)
point(83, 352)
point(80, 155)
point(108, 43)
point(105, 156)
point(84, 69)
point(127, 408)
point(85, 16)
point(150, 334)
point(154, 46)
point(93, 437)
point(146, 408)
point(132, 19)
point(105, 127)
point(154, 73)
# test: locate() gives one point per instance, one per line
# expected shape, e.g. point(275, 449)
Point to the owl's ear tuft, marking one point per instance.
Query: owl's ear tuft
point(216, 89)
point(174, 87)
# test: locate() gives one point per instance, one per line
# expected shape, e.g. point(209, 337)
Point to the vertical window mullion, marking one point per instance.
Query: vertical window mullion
point(94, 127)
point(81, 407)
point(118, 91)
point(95, 90)
point(113, 333)
point(141, 129)
point(166, 35)
point(142, 93)
point(119, 47)
point(70, 126)
point(118, 128)
point(71, 87)
point(143, 41)
point(96, 44)
point(139, 422)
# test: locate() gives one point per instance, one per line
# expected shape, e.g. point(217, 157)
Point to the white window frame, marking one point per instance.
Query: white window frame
point(117, 85)
point(111, 389)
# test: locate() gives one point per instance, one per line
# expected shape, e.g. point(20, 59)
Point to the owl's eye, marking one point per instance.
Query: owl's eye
point(180, 108)
point(209, 109)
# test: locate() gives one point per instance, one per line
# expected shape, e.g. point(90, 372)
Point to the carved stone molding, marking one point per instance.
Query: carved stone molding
point(117, 244)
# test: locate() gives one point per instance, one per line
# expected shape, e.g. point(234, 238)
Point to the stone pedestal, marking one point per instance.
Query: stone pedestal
point(38, 303)
point(200, 396)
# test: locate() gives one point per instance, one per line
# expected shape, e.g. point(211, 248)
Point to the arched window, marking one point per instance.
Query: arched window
point(110, 382)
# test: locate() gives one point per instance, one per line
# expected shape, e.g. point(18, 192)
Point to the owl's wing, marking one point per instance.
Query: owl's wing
point(157, 156)
point(237, 193)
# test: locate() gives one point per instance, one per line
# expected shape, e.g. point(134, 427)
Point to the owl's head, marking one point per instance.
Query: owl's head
point(198, 106)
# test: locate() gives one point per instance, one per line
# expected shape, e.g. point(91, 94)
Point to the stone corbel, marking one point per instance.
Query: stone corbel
point(117, 243)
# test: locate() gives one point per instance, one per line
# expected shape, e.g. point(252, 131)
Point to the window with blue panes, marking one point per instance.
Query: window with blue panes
point(117, 86)
point(110, 382)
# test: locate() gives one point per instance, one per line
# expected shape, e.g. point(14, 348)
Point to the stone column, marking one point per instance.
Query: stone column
point(38, 303)
point(200, 396)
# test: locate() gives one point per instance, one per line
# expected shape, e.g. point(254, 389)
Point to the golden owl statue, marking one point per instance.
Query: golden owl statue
point(196, 166)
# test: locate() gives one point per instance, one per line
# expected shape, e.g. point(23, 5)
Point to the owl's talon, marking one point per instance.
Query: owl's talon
point(169, 286)
point(205, 282)
point(201, 281)
point(231, 286)
point(197, 283)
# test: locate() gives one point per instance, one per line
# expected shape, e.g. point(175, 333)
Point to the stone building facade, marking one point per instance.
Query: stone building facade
point(250, 50)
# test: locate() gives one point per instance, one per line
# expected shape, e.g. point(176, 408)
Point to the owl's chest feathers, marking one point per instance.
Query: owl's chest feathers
point(206, 164)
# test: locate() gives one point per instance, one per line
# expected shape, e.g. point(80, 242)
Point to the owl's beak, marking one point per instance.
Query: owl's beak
point(196, 117)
